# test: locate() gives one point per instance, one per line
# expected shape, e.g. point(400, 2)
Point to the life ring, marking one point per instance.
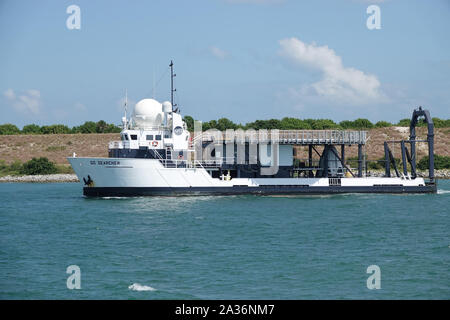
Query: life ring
point(155, 143)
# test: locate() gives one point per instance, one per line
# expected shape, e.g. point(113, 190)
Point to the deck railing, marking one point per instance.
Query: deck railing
point(290, 137)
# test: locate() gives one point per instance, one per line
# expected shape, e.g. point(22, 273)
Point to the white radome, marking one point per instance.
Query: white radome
point(167, 106)
point(148, 113)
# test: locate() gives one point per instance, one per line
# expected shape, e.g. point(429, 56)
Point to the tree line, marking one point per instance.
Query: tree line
point(223, 124)
point(88, 127)
point(440, 162)
point(307, 124)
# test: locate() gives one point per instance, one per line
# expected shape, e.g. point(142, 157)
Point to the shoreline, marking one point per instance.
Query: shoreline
point(60, 177)
point(49, 178)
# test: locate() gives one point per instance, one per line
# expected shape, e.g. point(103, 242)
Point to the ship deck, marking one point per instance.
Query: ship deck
point(293, 137)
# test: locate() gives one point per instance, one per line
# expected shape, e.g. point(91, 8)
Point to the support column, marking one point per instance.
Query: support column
point(360, 160)
point(405, 165)
point(387, 163)
point(325, 162)
point(413, 157)
point(431, 157)
point(310, 150)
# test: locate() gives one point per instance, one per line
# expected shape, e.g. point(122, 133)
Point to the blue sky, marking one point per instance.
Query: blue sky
point(241, 59)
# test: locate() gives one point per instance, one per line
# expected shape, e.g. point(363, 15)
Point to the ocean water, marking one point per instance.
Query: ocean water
point(234, 247)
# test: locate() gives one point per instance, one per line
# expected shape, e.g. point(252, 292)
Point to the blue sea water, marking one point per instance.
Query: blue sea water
point(230, 247)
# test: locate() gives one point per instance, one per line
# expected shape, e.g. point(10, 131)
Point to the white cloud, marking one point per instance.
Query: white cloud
point(9, 94)
point(339, 84)
point(218, 53)
point(28, 102)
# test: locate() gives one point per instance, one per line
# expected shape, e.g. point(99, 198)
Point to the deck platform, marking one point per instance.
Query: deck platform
point(293, 137)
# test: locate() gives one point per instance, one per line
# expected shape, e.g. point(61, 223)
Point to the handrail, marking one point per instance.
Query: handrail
point(295, 136)
point(214, 163)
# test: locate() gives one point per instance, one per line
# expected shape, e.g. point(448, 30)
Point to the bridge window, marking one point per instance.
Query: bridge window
point(158, 137)
point(133, 136)
point(149, 137)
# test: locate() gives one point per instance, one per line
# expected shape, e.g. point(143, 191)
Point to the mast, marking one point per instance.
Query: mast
point(172, 89)
point(126, 102)
point(124, 119)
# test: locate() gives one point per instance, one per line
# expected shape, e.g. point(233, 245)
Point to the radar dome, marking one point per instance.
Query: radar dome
point(148, 113)
point(167, 106)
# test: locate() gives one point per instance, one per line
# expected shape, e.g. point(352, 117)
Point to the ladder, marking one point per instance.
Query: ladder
point(168, 153)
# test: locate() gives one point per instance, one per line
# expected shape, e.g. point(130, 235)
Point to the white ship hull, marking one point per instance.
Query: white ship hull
point(141, 177)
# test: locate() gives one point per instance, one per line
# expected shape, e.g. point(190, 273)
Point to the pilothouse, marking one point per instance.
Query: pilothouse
point(153, 129)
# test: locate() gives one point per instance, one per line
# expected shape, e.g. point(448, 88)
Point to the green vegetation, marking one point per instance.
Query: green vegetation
point(55, 129)
point(306, 124)
point(404, 123)
point(440, 162)
point(88, 127)
point(383, 124)
point(356, 124)
point(189, 123)
point(376, 164)
point(31, 129)
point(440, 123)
point(33, 167)
point(38, 166)
point(9, 128)
point(61, 168)
point(223, 124)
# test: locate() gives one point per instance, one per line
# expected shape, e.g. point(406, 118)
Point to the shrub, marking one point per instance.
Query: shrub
point(101, 126)
point(376, 164)
point(404, 123)
point(224, 124)
point(31, 129)
point(383, 124)
point(321, 124)
point(440, 123)
point(440, 162)
point(9, 128)
point(264, 124)
point(362, 124)
point(38, 166)
point(189, 123)
point(55, 128)
point(87, 127)
point(65, 169)
point(15, 166)
point(112, 128)
point(294, 124)
point(11, 169)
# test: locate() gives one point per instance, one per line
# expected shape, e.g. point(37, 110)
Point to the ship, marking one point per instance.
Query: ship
point(158, 156)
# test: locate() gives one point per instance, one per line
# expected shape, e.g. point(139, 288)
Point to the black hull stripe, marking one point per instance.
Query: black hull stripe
point(240, 190)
